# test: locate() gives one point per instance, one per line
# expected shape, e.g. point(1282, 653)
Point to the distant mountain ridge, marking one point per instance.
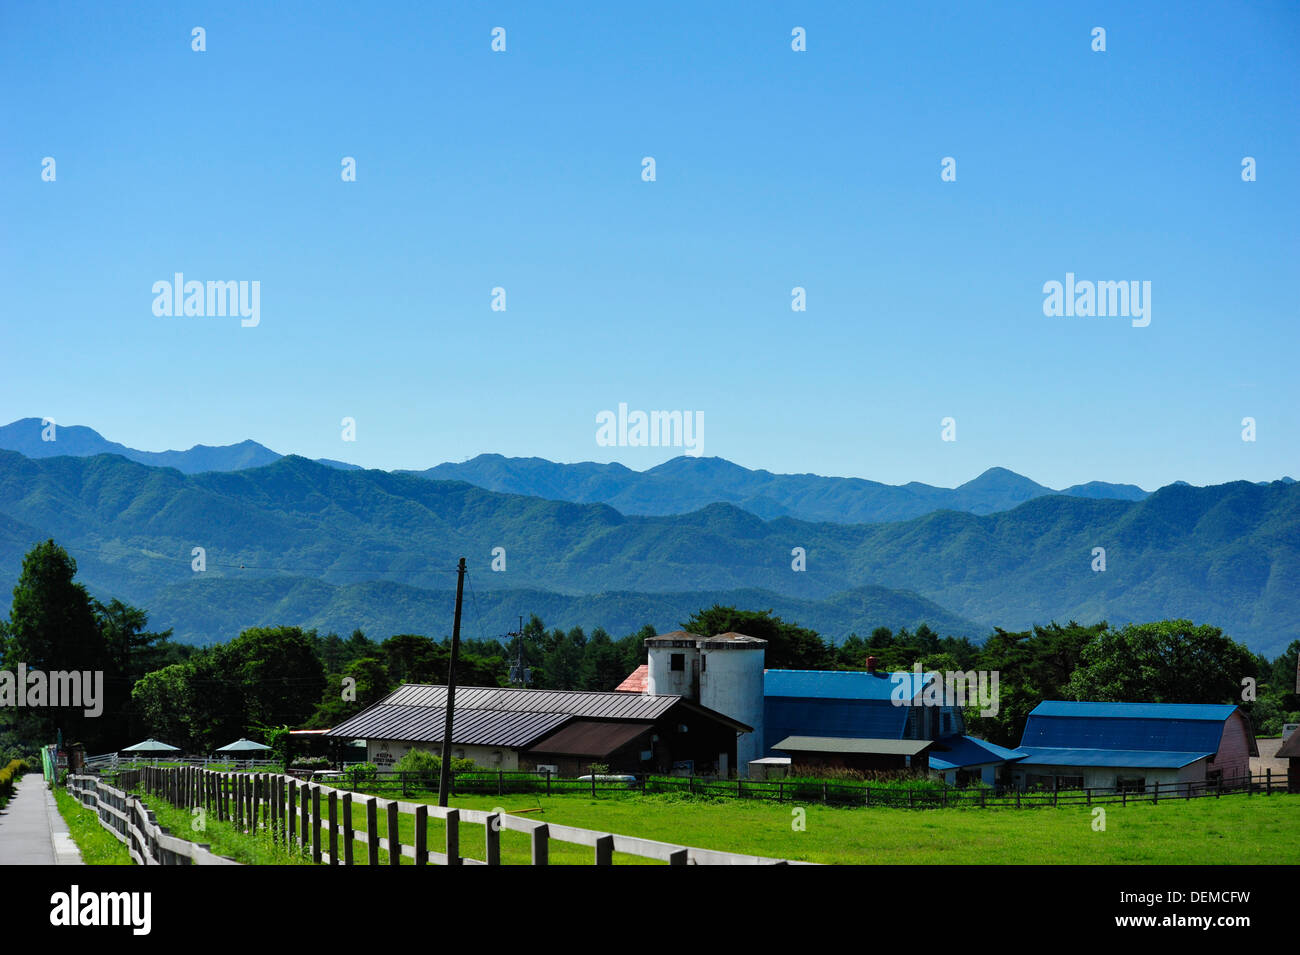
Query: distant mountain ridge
point(678, 486)
point(685, 484)
point(1227, 554)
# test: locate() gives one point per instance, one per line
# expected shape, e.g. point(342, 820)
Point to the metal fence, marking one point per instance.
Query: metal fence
point(935, 795)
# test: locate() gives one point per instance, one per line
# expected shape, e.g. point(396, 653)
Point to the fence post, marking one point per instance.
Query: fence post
point(1268, 781)
point(548, 782)
point(421, 835)
point(372, 831)
point(1155, 793)
point(501, 782)
point(593, 784)
point(306, 813)
point(349, 838)
point(334, 831)
point(394, 843)
point(868, 795)
point(453, 836)
point(492, 831)
point(604, 850)
point(780, 792)
point(291, 820)
point(239, 800)
point(542, 845)
point(315, 824)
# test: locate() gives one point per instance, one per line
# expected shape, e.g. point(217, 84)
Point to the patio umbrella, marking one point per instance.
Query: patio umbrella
point(151, 746)
point(244, 746)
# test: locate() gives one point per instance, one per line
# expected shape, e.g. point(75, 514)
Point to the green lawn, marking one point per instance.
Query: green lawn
point(1233, 830)
point(98, 846)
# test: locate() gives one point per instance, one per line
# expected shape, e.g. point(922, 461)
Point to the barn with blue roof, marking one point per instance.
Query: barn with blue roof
point(1133, 745)
point(872, 720)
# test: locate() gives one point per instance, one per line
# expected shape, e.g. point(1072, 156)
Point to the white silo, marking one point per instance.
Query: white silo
point(674, 665)
point(731, 682)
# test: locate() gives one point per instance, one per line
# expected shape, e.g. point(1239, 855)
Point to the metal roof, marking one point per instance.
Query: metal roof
point(850, 719)
point(587, 738)
point(1167, 735)
point(842, 684)
point(1290, 748)
point(1124, 758)
point(471, 727)
point(968, 751)
point(1213, 712)
point(604, 705)
point(636, 681)
point(834, 744)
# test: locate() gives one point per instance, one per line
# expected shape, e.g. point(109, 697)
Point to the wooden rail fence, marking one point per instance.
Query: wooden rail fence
point(317, 820)
point(127, 817)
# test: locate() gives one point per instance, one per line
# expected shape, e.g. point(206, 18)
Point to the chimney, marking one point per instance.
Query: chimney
point(871, 664)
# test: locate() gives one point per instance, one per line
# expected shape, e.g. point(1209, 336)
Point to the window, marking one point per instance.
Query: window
point(947, 723)
point(1133, 784)
point(704, 663)
point(677, 662)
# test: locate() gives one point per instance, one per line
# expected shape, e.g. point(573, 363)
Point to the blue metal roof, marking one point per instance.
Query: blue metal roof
point(1124, 758)
point(969, 751)
point(1135, 727)
point(841, 684)
point(850, 719)
point(1214, 712)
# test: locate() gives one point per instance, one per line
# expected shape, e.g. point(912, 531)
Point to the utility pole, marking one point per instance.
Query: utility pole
point(444, 775)
point(519, 674)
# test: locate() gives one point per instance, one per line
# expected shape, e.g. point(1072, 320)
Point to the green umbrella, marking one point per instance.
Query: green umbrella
point(151, 746)
point(244, 746)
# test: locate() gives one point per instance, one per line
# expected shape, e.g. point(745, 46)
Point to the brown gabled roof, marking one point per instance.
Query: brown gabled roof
point(589, 738)
point(1290, 748)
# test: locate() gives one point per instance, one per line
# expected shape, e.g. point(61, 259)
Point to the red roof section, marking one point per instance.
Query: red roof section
point(636, 680)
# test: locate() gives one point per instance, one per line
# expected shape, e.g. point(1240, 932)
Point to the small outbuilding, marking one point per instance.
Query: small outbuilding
point(1076, 745)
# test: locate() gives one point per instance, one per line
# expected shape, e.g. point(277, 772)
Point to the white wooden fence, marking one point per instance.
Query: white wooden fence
point(127, 817)
point(317, 820)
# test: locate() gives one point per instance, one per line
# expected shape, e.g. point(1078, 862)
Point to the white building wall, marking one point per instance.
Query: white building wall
point(731, 682)
point(385, 753)
point(663, 680)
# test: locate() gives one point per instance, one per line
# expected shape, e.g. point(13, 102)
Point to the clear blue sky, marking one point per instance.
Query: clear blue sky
point(775, 169)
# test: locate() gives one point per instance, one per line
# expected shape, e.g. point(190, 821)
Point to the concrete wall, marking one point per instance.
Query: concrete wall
point(731, 682)
point(663, 680)
point(1104, 777)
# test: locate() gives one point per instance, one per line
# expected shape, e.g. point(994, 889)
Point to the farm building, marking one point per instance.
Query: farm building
point(828, 718)
point(518, 729)
point(873, 720)
point(1101, 745)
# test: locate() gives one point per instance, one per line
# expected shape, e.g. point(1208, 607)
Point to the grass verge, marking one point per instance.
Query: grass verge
point(98, 846)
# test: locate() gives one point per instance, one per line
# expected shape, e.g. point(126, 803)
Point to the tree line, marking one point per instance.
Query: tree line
point(268, 678)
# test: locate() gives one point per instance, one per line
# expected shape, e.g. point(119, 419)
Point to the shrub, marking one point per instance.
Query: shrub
point(310, 762)
point(13, 769)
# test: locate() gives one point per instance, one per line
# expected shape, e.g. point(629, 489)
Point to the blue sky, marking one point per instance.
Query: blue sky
point(775, 169)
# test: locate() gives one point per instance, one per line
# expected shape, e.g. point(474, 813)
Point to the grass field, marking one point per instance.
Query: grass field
point(1234, 830)
point(98, 846)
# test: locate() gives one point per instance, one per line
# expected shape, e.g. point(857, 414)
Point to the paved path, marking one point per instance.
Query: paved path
point(31, 830)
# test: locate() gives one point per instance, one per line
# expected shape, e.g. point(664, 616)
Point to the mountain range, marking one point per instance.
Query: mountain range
point(678, 486)
point(296, 541)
